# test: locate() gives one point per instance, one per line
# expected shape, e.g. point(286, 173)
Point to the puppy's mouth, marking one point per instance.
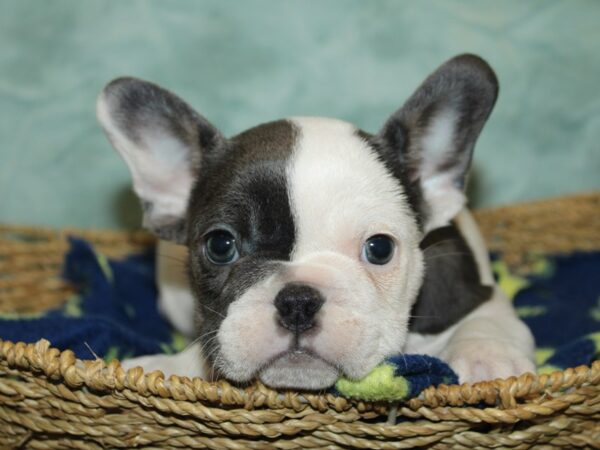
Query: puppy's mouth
point(299, 368)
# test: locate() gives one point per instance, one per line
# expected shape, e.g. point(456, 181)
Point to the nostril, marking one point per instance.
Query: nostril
point(284, 304)
point(297, 306)
point(310, 307)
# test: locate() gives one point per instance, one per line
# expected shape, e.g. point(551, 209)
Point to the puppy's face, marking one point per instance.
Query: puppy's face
point(284, 255)
point(304, 233)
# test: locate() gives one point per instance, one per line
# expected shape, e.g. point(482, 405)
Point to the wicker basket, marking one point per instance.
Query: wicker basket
point(49, 399)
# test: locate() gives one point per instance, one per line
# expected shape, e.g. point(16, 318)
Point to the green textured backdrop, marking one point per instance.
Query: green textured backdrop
point(241, 63)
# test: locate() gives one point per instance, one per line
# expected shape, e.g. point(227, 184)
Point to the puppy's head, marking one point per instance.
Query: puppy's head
point(303, 233)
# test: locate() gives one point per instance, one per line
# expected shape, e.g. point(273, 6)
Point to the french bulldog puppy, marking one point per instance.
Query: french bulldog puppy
point(314, 249)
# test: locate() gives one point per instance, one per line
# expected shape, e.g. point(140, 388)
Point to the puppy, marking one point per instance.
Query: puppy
point(315, 249)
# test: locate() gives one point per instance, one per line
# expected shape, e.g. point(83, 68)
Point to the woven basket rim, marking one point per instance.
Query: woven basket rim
point(97, 375)
point(63, 366)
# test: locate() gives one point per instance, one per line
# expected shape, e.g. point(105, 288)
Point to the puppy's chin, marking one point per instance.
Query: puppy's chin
point(299, 370)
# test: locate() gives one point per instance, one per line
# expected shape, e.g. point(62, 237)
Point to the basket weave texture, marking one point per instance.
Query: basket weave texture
point(49, 399)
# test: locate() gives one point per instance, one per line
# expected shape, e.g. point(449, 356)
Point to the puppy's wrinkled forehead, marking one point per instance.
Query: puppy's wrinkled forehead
point(300, 185)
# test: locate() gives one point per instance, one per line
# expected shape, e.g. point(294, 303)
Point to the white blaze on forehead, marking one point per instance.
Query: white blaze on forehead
point(340, 191)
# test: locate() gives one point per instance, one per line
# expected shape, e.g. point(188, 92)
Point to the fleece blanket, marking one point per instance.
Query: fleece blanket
point(114, 315)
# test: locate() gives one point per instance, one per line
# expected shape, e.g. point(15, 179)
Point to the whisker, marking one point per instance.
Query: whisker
point(210, 332)
point(214, 368)
point(90, 349)
point(198, 338)
point(216, 363)
point(212, 339)
point(205, 345)
point(192, 343)
point(210, 309)
point(208, 342)
point(202, 347)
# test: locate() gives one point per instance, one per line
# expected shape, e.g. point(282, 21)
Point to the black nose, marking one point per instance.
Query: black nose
point(297, 305)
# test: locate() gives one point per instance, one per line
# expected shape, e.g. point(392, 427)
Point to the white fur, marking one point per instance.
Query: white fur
point(187, 363)
point(249, 336)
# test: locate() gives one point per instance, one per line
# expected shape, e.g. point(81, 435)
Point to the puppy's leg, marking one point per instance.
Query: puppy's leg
point(175, 300)
point(490, 343)
point(188, 363)
point(177, 305)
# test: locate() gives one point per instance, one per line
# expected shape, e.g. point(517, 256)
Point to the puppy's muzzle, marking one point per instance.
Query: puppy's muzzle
point(297, 305)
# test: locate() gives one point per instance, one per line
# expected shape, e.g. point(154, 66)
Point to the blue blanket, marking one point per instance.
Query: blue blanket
point(560, 302)
point(114, 315)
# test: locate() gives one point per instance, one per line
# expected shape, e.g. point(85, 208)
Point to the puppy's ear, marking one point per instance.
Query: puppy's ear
point(433, 134)
point(163, 141)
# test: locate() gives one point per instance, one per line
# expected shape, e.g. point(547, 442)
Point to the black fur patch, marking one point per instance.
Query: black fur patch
point(451, 288)
point(242, 188)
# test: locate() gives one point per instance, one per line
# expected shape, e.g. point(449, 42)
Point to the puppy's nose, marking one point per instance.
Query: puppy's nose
point(297, 305)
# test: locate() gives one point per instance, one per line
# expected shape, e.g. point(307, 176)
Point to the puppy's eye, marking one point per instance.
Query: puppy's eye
point(378, 249)
point(220, 248)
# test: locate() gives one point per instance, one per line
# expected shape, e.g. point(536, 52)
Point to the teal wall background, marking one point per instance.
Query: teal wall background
point(240, 63)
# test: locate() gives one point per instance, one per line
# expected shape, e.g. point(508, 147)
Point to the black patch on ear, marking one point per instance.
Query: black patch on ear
point(451, 288)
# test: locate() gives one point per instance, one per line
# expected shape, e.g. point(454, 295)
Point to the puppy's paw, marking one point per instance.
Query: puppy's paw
point(479, 361)
point(188, 363)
